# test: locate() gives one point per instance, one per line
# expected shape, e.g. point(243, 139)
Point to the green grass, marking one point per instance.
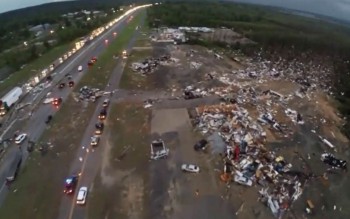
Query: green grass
point(129, 128)
point(134, 80)
point(33, 68)
point(39, 185)
point(143, 39)
point(98, 77)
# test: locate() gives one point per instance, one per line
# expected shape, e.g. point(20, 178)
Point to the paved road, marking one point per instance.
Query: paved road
point(36, 124)
point(88, 160)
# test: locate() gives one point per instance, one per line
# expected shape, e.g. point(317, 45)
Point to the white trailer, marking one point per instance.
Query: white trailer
point(10, 99)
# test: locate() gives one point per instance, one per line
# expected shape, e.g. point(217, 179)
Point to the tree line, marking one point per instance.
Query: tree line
point(273, 30)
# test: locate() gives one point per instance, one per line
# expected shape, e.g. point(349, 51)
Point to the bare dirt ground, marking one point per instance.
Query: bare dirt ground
point(177, 194)
point(159, 189)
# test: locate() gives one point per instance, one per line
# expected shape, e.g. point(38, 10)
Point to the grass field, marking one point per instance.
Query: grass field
point(99, 77)
point(132, 127)
point(33, 68)
point(39, 186)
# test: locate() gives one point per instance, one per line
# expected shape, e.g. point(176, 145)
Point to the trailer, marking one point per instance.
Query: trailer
point(10, 99)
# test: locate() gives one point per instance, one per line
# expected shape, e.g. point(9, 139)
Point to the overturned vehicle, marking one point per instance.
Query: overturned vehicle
point(332, 161)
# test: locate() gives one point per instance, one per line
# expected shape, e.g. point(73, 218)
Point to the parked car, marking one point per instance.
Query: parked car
point(190, 168)
point(20, 138)
point(82, 194)
point(200, 145)
point(94, 140)
point(243, 180)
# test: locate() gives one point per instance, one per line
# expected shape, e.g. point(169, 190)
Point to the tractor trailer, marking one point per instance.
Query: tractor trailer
point(9, 100)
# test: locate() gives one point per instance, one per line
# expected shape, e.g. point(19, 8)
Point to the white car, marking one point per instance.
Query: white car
point(82, 194)
point(80, 68)
point(20, 138)
point(94, 140)
point(243, 180)
point(190, 168)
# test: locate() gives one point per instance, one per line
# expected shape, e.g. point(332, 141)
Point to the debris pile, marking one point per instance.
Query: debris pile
point(89, 94)
point(150, 64)
point(246, 159)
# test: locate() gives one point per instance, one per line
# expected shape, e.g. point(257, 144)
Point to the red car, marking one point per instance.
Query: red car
point(57, 102)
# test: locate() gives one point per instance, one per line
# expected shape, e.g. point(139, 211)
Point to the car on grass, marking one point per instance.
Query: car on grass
point(200, 145)
point(70, 184)
point(243, 180)
point(82, 195)
point(103, 114)
point(190, 168)
point(94, 140)
point(94, 59)
point(20, 138)
point(99, 128)
point(124, 54)
point(105, 103)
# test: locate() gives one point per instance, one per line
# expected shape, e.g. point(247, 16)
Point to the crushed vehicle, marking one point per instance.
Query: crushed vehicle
point(240, 179)
point(158, 149)
point(70, 184)
point(192, 93)
point(190, 168)
point(200, 145)
point(332, 161)
point(91, 94)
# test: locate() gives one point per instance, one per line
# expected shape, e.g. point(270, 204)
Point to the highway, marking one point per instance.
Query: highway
point(36, 125)
point(88, 160)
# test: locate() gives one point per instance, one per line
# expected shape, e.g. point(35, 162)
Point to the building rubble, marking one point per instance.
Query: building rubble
point(149, 65)
point(247, 159)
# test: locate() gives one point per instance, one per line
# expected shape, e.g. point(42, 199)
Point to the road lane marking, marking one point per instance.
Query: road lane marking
point(71, 212)
point(7, 129)
point(81, 173)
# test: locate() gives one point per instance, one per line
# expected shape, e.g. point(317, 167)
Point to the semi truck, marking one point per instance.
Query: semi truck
point(9, 100)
